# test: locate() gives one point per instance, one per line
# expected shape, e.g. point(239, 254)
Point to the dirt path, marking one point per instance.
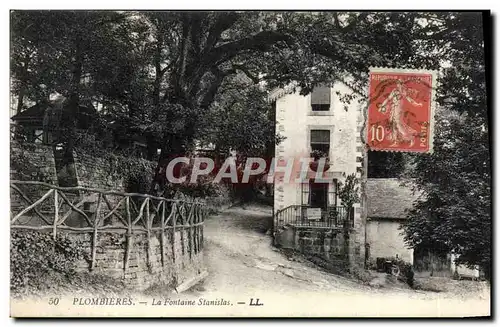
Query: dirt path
point(244, 267)
point(241, 261)
point(240, 257)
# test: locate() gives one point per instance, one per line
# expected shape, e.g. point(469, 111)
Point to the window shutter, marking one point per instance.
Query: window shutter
point(305, 193)
point(320, 136)
point(332, 193)
point(320, 95)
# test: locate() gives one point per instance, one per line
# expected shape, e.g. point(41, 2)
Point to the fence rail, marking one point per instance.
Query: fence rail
point(41, 206)
point(297, 216)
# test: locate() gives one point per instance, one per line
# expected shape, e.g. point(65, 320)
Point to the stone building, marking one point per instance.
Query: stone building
point(308, 214)
point(387, 203)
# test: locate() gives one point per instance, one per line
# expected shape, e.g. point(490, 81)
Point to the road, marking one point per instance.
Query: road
point(243, 266)
point(241, 261)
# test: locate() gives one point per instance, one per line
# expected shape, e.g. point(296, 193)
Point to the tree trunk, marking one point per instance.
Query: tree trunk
point(20, 98)
point(24, 82)
point(74, 97)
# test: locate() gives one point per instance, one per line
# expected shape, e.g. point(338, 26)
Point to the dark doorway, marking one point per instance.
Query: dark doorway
point(65, 166)
point(318, 194)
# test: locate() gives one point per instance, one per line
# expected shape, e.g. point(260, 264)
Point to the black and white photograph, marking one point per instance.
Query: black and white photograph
point(250, 163)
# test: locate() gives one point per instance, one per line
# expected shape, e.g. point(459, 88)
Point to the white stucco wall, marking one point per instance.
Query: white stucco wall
point(462, 270)
point(385, 240)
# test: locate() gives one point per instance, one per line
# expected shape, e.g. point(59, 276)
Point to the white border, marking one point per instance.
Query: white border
point(145, 4)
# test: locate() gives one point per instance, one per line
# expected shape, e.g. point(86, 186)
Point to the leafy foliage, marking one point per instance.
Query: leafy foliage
point(176, 78)
point(349, 191)
point(136, 172)
point(454, 213)
point(384, 164)
point(24, 166)
point(240, 120)
point(162, 73)
point(35, 255)
point(406, 273)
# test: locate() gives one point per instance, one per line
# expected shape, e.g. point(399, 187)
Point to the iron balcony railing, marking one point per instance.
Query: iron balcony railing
point(306, 216)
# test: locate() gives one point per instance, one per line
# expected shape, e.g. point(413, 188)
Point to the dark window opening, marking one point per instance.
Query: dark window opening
point(385, 164)
point(320, 107)
point(65, 166)
point(318, 195)
point(320, 141)
point(322, 194)
point(320, 99)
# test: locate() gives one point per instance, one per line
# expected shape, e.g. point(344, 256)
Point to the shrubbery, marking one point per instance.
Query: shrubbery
point(406, 273)
point(34, 255)
point(24, 166)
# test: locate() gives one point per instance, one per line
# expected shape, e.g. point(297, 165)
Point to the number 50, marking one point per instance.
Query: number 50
point(54, 301)
point(378, 133)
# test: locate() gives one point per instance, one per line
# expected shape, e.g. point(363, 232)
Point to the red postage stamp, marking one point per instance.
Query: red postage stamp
point(401, 110)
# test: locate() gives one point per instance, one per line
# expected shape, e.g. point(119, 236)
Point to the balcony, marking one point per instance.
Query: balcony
point(306, 216)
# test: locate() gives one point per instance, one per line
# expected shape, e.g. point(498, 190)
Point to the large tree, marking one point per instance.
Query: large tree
point(454, 212)
point(160, 72)
point(205, 49)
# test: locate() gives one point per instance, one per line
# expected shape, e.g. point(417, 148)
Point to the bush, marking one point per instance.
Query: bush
point(35, 255)
point(406, 273)
point(26, 169)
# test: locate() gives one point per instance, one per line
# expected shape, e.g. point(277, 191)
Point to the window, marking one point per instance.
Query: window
point(38, 136)
point(65, 166)
point(320, 140)
point(319, 195)
point(332, 193)
point(320, 99)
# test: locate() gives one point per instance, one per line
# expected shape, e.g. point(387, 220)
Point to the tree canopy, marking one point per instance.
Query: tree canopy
point(185, 78)
point(454, 213)
point(162, 71)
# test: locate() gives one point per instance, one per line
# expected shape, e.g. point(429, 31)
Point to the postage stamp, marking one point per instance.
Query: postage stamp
point(401, 110)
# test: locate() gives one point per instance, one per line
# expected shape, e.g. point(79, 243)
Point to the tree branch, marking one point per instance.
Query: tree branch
point(209, 96)
point(259, 41)
point(245, 70)
point(224, 21)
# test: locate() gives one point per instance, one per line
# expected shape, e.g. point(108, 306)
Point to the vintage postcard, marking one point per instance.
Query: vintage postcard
point(249, 164)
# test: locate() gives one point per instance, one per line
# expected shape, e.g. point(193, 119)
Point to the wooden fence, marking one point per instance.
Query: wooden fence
point(87, 210)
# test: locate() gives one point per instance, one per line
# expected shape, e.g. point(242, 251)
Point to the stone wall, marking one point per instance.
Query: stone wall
point(184, 260)
point(327, 244)
point(183, 251)
point(36, 162)
point(91, 171)
point(102, 173)
point(31, 162)
point(183, 257)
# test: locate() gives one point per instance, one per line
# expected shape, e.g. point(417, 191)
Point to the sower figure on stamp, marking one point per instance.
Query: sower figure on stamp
point(400, 130)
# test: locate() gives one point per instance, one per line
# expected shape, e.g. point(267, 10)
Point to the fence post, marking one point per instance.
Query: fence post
point(183, 223)
point(129, 234)
point(149, 224)
point(190, 230)
point(195, 228)
point(203, 217)
point(174, 222)
point(56, 214)
point(94, 238)
point(162, 236)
